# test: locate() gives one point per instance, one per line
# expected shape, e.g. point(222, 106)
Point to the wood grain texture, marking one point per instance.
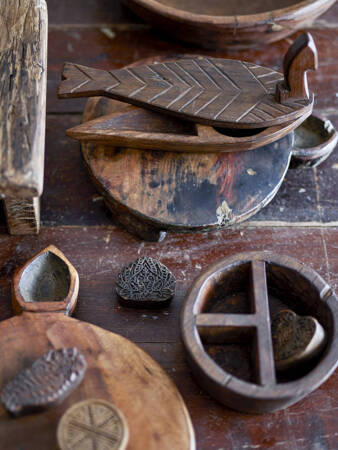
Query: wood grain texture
point(23, 75)
point(315, 140)
point(141, 391)
point(301, 57)
point(47, 282)
point(218, 92)
point(231, 24)
point(23, 215)
point(84, 230)
point(99, 253)
point(296, 339)
point(213, 314)
point(150, 192)
point(135, 127)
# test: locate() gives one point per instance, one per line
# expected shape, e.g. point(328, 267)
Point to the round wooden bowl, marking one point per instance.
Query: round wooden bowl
point(231, 23)
point(226, 330)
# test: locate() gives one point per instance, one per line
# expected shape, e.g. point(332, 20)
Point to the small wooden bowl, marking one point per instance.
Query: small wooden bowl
point(315, 140)
point(226, 329)
point(231, 23)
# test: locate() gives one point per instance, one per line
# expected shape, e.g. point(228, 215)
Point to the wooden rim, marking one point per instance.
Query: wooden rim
point(66, 306)
point(283, 14)
point(193, 306)
point(328, 143)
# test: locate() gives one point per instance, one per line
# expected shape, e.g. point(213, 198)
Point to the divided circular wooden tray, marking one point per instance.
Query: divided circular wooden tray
point(231, 23)
point(226, 329)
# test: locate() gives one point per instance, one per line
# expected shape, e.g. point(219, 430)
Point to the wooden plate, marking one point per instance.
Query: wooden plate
point(231, 23)
point(118, 371)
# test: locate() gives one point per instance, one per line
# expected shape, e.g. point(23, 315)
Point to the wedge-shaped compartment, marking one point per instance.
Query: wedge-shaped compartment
point(226, 328)
point(46, 283)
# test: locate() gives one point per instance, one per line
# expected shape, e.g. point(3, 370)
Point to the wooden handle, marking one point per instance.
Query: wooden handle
point(301, 57)
point(46, 283)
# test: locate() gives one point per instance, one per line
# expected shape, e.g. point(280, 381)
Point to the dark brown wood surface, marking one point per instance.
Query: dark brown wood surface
point(218, 92)
point(229, 309)
point(150, 192)
point(231, 23)
point(23, 79)
point(117, 370)
point(302, 221)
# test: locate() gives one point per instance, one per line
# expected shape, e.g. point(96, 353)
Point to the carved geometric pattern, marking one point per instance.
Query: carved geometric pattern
point(46, 383)
point(92, 424)
point(220, 90)
point(146, 280)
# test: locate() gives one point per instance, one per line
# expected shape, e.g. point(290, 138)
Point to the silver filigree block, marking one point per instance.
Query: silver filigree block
point(46, 383)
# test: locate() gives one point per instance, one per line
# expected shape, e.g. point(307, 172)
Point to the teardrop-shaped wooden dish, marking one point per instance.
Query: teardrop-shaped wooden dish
point(118, 371)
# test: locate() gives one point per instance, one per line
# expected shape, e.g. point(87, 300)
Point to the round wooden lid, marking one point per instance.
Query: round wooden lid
point(117, 371)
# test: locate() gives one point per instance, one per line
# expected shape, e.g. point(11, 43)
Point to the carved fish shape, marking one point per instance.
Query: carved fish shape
point(211, 91)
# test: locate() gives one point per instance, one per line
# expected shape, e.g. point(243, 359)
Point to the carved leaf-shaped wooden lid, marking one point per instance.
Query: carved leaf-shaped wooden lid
point(217, 92)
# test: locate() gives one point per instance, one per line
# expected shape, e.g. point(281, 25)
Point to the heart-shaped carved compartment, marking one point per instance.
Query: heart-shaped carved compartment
point(288, 289)
point(296, 339)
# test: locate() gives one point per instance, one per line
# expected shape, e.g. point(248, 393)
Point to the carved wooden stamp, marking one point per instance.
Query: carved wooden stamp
point(296, 339)
point(145, 283)
point(229, 310)
point(93, 424)
point(46, 383)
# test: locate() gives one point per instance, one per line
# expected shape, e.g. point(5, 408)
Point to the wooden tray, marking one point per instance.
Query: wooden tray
point(231, 23)
point(226, 329)
point(118, 371)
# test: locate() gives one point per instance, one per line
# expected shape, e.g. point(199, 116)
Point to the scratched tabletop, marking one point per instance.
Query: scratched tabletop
point(301, 221)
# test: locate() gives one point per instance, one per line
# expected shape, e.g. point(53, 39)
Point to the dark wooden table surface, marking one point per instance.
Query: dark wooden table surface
point(302, 221)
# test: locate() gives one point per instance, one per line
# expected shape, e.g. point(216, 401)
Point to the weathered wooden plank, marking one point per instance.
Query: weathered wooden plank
point(23, 215)
point(23, 54)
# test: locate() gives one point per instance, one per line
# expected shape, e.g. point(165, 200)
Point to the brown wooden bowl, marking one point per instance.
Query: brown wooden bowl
point(315, 140)
point(231, 23)
point(226, 329)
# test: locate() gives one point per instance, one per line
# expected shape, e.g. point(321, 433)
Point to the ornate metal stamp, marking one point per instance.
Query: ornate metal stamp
point(93, 424)
point(145, 283)
point(46, 383)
